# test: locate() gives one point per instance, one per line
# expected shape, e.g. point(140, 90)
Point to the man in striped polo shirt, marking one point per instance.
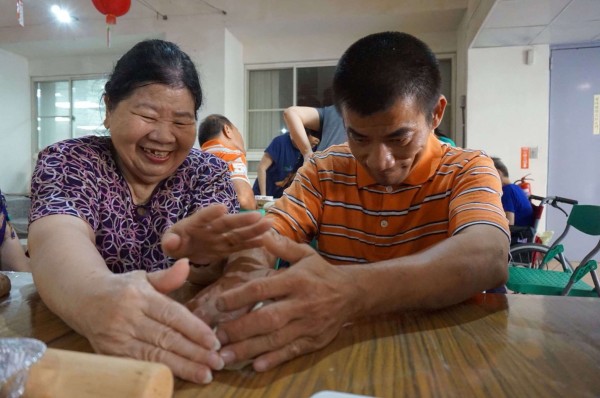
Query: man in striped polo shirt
point(409, 222)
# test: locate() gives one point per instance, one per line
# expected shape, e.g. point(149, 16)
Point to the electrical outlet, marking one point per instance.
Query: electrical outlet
point(533, 152)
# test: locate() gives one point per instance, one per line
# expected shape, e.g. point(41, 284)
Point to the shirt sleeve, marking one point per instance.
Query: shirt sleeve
point(64, 182)
point(239, 170)
point(476, 197)
point(295, 214)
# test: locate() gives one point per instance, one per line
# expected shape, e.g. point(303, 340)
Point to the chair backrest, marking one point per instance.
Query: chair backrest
point(585, 218)
point(537, 215)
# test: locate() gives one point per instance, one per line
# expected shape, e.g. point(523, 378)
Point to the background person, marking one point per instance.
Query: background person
point(100, 206)
point(217, 135)
point(415, 223)
point(279, 164)
point(517, 206)
point(325, 122)
point(12, 256)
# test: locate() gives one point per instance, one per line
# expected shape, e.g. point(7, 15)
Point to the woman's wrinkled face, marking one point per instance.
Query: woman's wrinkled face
point(389, 143)
point(153, 131)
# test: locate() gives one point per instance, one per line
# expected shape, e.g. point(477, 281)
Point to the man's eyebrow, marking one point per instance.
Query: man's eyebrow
point(401, 131)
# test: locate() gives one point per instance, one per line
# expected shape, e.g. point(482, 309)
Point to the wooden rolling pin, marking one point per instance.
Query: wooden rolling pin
point(70, 374)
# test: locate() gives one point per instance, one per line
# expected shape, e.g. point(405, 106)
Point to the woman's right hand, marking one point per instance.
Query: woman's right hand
point(129, 315)
point(210, 234)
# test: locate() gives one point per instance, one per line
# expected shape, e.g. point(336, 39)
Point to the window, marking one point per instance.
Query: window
point(68, 108)
point(272, 90)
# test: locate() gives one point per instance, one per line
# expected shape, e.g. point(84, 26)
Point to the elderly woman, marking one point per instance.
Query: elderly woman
point(101, 205)
point(12, 256)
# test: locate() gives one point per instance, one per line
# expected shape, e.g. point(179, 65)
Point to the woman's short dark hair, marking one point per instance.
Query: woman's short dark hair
point(382, 68)
point(152, 61)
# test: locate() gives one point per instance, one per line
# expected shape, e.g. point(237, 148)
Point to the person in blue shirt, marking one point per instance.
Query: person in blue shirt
point(12, 256)
point(517, 206)
point(278, 165)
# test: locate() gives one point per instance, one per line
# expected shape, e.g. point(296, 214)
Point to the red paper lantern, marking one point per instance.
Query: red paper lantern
point(112, 9)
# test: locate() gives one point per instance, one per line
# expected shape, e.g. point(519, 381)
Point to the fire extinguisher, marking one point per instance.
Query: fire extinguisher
point(524, 185)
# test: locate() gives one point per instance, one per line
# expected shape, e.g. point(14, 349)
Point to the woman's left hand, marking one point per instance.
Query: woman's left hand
point(211, 234)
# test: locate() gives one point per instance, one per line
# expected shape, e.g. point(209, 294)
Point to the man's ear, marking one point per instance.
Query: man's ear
point(227, 131)
point(438, 111)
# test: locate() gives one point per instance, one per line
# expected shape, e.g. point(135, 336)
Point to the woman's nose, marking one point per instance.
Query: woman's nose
point(162, 132)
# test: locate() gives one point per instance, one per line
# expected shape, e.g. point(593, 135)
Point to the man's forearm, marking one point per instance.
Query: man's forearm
point(445, 274)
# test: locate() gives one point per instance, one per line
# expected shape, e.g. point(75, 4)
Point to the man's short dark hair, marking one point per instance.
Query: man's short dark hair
point(382, 68)
point(501, 167)
point(211, 127)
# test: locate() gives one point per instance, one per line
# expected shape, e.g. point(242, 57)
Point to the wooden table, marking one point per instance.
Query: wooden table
point(491, 346)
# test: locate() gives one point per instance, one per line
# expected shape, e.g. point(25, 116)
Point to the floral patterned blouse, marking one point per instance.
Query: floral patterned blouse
point(79, 177)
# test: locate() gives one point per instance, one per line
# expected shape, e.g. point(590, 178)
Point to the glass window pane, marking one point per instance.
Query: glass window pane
point(263, 127)
point(53, 98)
point(314, 86)
point(53, 129)
point(270, 89)
point(88, 107)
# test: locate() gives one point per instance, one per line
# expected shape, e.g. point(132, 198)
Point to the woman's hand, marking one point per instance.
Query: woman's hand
point(211, 234)
point(129, 315)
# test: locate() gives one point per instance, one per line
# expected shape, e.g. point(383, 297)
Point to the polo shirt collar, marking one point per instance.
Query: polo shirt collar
point(425, 167)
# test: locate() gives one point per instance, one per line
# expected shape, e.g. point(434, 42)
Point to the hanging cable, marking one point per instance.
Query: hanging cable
point(150, 7)
point(215, 8)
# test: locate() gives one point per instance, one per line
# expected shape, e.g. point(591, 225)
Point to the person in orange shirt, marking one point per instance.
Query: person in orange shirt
point(217, 135)
point(401, 220)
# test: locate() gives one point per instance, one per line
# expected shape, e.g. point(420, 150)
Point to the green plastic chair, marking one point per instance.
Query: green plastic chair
point(586, 219)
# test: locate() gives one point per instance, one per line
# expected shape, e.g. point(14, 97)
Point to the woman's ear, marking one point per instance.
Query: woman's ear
point(438, 111)
point(107, 116)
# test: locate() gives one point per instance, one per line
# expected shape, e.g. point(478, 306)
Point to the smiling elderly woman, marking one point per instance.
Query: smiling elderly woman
point(101, 205)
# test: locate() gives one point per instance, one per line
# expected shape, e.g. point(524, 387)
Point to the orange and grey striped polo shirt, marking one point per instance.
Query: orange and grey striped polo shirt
point(356, 220)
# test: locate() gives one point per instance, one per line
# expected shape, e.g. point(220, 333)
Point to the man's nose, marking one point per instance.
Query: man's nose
point(380, 158)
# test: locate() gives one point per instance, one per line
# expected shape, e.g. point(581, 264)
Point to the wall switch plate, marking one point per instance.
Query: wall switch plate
point(533, 152)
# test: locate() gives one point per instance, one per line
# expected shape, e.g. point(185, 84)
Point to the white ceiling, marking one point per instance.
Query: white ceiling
point(510, 22)
point(530, 22)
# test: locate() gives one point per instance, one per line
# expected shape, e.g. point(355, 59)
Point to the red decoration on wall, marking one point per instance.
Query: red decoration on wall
point(112, 9)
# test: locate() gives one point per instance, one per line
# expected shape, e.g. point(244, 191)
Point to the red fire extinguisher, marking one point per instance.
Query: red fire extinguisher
point(525, 186)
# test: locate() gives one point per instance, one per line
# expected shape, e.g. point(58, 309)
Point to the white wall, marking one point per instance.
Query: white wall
point(15, 130)
point(507, 102)
point(234, 80)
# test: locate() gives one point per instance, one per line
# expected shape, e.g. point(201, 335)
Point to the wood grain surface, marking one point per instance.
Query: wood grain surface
point(490, 346)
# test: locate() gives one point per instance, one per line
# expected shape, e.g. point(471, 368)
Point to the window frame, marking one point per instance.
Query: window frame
point(254, 155)
point(34, 104)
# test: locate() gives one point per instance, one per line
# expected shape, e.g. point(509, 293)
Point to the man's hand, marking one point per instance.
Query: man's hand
point(211, 234)
point(241, 269)
point(312, 300)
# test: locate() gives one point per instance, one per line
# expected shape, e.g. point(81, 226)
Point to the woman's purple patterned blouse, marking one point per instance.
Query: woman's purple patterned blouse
point(79, 177)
